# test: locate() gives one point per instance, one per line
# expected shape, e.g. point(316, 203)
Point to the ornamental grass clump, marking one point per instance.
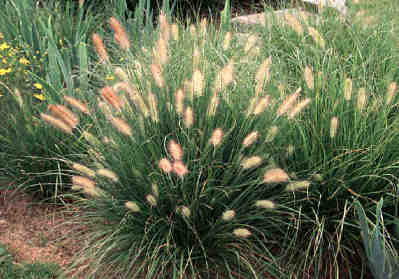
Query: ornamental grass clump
point(182, 181)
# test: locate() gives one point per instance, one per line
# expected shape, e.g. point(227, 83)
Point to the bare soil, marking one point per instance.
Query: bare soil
point(36, 232)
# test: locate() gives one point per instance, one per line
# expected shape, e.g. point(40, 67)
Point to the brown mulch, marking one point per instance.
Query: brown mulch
point(36, 232)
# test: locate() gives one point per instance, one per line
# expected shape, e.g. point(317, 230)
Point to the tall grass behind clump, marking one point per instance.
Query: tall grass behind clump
point(347, 138)
point(182, 178)
point(53, 43)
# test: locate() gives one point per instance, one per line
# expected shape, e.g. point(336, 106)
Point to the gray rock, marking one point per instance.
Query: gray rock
point(340, 5)
point(272, 17)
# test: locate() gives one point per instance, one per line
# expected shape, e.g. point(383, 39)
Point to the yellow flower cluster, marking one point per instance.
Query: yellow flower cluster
point(4, 46)
point(11, 61)
point(5, 71)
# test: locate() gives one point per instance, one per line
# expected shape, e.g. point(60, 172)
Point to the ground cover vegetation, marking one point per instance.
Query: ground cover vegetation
point(196, 152)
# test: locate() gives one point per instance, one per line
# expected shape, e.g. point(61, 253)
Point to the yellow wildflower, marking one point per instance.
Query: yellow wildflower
point(4, 46)
point(109, 77)
point(24, 61)
point(4, 71)
point(38, 86)
point(39, 97)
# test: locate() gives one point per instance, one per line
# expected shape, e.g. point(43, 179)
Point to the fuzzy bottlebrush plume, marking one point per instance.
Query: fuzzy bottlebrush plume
point(251, 162)
point(100, 48)
point(348, 89)
point(197, 83)
point(63, 113)
point(119, 34)
point(151, 200)
point(109, 95)
point(135, 97)
point(121, 125)
point(179, 102)
point(361, 98)
point(108, 174)
point(228, 215)
point(165, 165)
point(297, 185)
point(293, 22)
point(216, 137)
point(213, 104)
point(156, 71)
point(188, 117)
point(317, 37)
point(390, 93)
point(224, 77)
point(77, 104)
point(160, 51)
point(298, 108)
point(132, 206)
point(250, 139)
point(267, 204)
point(188, 87)
point(276, 175)
point(83, 170)
point(309, 78)
point(152, 102)
point(288, 102)
point(184, 211)
point(227, 41)
point(196, 58)
point(94, 192)
point(262, 75)
point(333, 127)
point(175, 150)
point(57, 123)
point(83, 181)
point(175, 31)
point(180, 169)
point(258, 106)
point(242, 232)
